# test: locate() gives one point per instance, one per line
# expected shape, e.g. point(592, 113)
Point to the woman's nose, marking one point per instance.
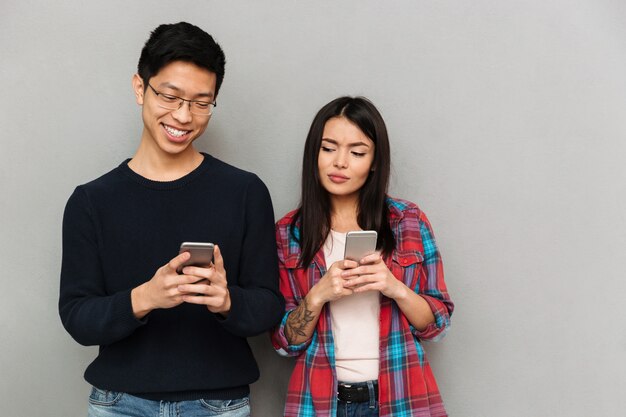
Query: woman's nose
point(341, 160)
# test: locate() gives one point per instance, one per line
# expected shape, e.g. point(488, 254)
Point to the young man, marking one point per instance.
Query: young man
point(171, 344)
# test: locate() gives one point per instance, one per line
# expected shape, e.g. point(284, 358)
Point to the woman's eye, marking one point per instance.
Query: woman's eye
point(327, 149)
point(358, 154)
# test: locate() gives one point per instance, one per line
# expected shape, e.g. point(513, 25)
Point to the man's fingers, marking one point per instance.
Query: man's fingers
point(178, 261)
point(211, 275)
point(192, 280)
point(201, 299)
point(197, 271)
point(194, 287)
point(218, 261)
point(201, 294)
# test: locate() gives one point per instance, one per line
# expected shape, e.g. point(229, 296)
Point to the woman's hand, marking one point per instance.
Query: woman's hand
point(332, 286)
point(373, 275)
point(301, 322)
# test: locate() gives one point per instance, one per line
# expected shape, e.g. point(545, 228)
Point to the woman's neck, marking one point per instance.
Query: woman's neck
point(343, 214)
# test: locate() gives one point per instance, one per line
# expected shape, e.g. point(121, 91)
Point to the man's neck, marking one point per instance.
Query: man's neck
point(160, 166)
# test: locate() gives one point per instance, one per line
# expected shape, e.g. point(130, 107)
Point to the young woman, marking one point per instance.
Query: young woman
point(357, 328)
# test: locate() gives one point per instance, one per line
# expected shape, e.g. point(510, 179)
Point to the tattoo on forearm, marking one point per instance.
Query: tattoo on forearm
point(297, 322)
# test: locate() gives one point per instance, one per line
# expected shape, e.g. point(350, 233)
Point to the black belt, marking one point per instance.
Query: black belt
point(355, 394)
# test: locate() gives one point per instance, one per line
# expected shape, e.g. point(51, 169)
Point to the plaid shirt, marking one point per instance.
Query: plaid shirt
point(406, 384)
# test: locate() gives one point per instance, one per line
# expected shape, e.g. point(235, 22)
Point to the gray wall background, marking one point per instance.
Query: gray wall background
point(507, 127)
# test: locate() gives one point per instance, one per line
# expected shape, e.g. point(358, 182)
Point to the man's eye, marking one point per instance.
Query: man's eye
point(169, 99)
point(201, 104)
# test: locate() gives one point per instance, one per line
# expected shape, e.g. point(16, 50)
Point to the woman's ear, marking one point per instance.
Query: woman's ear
point(138, 88)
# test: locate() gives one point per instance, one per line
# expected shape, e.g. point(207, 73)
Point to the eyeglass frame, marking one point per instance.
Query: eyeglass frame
point(182, 100)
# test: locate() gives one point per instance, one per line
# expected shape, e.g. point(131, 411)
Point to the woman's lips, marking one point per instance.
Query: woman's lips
point(337, 178)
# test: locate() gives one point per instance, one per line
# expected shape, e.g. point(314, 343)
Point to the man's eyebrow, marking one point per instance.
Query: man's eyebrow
point(175, 88)
point(352, 144)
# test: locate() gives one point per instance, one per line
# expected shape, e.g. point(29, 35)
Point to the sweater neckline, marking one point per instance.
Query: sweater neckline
point(166, 185)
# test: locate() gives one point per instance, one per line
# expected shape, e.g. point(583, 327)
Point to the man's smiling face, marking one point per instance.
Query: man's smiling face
point(173, 131)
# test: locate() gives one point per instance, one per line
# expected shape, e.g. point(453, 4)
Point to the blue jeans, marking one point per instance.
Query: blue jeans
point(119, 404)
point(365, 409)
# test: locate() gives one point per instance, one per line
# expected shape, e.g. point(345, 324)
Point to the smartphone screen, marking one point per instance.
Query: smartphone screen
point(360, 244)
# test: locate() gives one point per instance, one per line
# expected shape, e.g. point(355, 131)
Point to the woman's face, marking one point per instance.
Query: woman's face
point(345, 158)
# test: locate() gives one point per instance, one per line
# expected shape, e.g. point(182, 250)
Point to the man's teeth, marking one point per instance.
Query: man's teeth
point(175, 132)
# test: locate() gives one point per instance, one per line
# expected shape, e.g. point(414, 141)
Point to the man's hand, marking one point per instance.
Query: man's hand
point(162, 289)
point(212, 291)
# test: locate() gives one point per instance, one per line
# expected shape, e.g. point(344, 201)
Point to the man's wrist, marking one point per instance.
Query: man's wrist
point(226, 306)
point(139, 301)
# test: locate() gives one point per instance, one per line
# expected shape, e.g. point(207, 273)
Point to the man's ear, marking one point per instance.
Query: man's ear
point(138, 88)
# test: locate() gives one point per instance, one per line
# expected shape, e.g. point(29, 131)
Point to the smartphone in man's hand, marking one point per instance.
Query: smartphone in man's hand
point(201, 254)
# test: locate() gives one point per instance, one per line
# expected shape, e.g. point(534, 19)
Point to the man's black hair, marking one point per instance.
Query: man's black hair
point(181, 42)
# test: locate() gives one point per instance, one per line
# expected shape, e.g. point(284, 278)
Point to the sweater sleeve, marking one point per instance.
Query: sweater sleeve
point(89, 314)
point(256, 302)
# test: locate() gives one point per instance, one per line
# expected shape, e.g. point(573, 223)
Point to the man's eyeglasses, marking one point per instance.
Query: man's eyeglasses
point(170, 102)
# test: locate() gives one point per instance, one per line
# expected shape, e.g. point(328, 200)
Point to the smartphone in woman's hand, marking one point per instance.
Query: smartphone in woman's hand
point(359, 244)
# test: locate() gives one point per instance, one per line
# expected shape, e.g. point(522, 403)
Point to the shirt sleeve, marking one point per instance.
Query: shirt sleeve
point(292, 300)
point(256, 302)
point(88, 313)
point(435, 291)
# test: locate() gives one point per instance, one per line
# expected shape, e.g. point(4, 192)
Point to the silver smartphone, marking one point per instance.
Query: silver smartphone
point(359, 244)
point(201, 254)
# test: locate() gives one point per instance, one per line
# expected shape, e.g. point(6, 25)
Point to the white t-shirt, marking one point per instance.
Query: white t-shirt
point(355, 324)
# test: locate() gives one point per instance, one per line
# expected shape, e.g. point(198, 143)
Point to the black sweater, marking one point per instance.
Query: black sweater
point(119, 229)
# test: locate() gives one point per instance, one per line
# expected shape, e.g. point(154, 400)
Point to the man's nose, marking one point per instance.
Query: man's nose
point(183, 114)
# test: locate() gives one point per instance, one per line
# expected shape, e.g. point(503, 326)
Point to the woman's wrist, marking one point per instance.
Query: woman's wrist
point(313, 301)
point(401, 292)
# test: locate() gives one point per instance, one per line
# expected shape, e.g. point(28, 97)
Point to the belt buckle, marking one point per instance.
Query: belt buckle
point(351, 394)
point(345, 395)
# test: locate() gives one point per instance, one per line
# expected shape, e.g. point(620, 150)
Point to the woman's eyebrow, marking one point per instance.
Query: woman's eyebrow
point(352, 144)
